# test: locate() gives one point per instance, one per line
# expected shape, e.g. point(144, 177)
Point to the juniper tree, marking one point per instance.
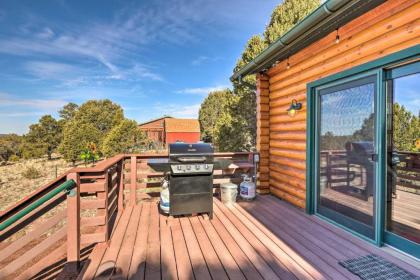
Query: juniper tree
point(43, 137)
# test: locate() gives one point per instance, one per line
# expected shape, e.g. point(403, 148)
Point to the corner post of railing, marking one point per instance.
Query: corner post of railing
point(133, 180)
point(73, 225)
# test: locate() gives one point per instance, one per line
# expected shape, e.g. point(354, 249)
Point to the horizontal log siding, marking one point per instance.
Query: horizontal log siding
point(391, 27)
point(263, 133)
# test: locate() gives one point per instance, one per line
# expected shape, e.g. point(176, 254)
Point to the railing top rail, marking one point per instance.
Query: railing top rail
point(66, 186)
point(232, 154)
point(107, 163)
point(101, 166)
point(409, 153)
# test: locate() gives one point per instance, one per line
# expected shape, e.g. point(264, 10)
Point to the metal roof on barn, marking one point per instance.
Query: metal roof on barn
point(182, 125)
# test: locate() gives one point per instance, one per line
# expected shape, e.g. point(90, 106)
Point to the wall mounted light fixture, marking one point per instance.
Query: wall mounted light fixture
point(294, 107)
point(288, 64)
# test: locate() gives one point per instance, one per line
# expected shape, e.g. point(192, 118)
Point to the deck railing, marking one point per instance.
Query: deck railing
point(408, 170)
point(65, 222)
point(335, 167)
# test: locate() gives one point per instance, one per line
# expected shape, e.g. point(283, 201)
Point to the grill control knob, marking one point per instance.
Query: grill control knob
point(206, 166)
point(178, 167)
point(197, 167)
point(188, 167)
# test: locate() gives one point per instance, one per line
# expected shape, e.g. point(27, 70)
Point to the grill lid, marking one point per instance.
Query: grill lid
point(188, 153)
point(183, 148)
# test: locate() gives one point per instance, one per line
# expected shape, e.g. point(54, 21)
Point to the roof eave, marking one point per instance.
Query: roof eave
point(325, 19)
point(153, 120)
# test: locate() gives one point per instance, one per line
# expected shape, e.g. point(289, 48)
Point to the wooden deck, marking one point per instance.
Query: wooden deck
point(263, 239)
point(405, 212)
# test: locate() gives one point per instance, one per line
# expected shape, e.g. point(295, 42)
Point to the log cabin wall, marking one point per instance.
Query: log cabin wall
point(390, 27)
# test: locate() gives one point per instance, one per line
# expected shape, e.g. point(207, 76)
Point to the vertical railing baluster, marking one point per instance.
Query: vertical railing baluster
point(133, 180)
point(120, 182)
point(104, 195)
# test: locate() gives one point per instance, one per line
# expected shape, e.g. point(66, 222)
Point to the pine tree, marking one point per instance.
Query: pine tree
point(76, 139)
point(10, 146)
point(90, 125)
point(286, 15)
point(43, 137)
point(68, 111)
point(406, 127)
point(211, 110)
point(124, 138)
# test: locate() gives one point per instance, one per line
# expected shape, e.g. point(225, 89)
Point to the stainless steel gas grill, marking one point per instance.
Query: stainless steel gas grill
point(190, 171)
point(191, 179)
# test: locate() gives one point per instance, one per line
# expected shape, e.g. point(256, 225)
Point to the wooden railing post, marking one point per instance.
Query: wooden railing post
point(133, 180)
point(73, 225)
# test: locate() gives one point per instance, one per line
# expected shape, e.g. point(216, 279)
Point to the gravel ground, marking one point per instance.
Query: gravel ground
point(13, 184)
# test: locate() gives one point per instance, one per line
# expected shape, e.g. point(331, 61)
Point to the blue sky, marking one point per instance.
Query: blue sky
point(152, 57)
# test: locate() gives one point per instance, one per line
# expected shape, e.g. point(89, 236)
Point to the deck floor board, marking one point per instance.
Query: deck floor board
point(214, 265)
point(262, 239)
point(138, 261)
point(127, 247)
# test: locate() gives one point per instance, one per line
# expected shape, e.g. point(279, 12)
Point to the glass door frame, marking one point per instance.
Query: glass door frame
point(377, 67)
point(389, 237)
point(376, 77)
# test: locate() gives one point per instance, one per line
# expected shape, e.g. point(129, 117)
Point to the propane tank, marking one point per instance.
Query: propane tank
point(164, 197)
point(247, 188)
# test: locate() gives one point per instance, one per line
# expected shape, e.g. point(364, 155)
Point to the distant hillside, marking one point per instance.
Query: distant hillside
point(7, 134)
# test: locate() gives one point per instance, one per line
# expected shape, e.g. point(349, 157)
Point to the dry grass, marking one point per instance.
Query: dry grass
point(14, 182)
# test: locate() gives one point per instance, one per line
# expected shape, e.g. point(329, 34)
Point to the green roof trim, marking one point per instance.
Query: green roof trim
point(322, 21)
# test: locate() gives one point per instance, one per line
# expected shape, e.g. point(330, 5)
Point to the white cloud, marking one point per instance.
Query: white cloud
point(142, 72)
point(179, 111)
point(190, 111)
point(201, 90)
point(21, 114)
point(200, 60)
point(52, 70)
point(46, 33)
point(77, 75)
point(7, 100)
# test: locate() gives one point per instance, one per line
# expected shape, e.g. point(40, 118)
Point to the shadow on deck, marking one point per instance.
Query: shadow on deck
point(263, 239)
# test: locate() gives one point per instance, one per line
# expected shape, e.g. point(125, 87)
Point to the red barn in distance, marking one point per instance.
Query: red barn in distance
point(168, 130)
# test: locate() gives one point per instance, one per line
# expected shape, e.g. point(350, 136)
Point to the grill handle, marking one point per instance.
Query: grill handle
point(192, 159)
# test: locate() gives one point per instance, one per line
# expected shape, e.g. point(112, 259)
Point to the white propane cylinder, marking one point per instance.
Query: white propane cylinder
point(164, 197)
point(247, 188)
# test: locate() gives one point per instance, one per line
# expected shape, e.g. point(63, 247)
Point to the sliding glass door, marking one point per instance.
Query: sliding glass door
point(403, 158)
point(363, 150)
point(346, 152)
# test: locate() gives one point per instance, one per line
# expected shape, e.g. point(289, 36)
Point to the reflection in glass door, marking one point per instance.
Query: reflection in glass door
point(403, 145)
point(347, 159)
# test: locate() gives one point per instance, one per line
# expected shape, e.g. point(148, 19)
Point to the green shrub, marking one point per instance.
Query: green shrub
point(14, 158)
point(31, 173)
